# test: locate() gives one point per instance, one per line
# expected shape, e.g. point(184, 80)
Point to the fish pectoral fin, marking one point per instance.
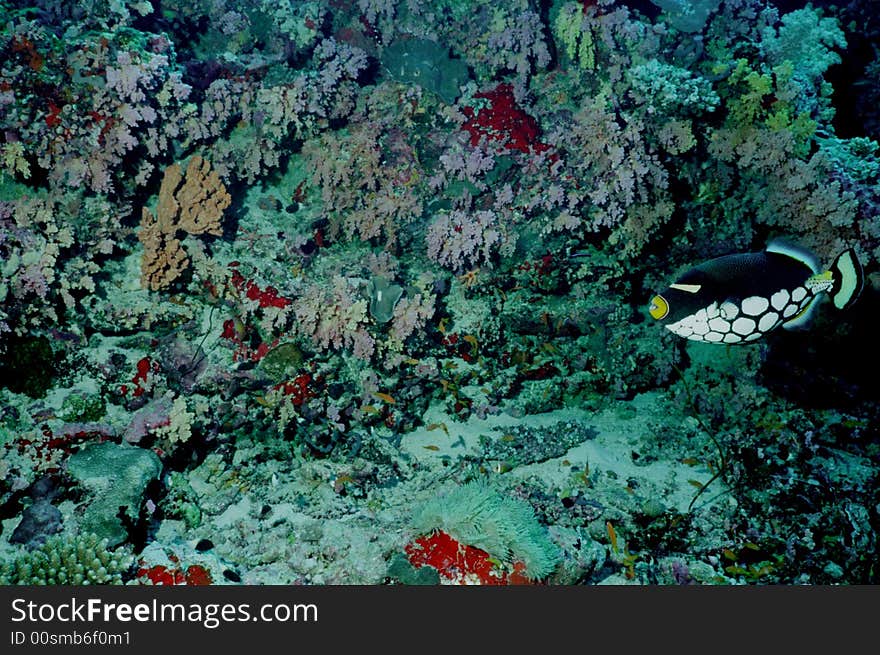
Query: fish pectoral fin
point(803, 318)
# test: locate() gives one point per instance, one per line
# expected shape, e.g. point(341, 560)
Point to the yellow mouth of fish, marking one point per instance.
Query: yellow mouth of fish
point(658, 308)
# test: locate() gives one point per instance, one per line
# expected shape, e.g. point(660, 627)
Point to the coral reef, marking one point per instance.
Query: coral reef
point(277, 274)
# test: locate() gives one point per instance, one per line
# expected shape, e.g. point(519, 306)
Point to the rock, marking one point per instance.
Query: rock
point(115, 476)
point(38, 522)
point(426, 63)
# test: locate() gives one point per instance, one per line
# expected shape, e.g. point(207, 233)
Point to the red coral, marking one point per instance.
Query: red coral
point(161, 575)
point(236, 332)
point(467, 350)
point(195, 575)
point(144, 366)
point(460, 563)
point(503, 120)
point(298, 389)
point(267, 297)
point(53, 118)
point(542, 372)
point(23, 45)
point(48, 450)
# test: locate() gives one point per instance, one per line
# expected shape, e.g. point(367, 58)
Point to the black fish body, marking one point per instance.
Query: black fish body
point(741, 297)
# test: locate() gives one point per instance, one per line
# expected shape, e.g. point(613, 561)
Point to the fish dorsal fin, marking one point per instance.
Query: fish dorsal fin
point(789, 249)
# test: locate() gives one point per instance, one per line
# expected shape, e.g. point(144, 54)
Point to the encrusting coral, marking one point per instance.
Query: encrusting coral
point(192, 202)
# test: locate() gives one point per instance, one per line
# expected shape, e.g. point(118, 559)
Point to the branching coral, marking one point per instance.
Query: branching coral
point(460, 239)
point(192, 203)
point(573, 31)
point(92, 113)
point(79, 560)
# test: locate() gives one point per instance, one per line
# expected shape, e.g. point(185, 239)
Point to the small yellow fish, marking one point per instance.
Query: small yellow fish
point(238, 326)
point(386, 397)
point(612, 536)
point(431, 447)
point(438, 426)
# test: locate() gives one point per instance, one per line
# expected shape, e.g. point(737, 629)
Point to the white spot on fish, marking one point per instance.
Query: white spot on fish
point(779, 299)
point(754, 305)
point(729, 310)
point(768, 321)
point(743, 325)
point(719, 325)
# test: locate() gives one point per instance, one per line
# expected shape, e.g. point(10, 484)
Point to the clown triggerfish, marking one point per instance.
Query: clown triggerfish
point(739, 298)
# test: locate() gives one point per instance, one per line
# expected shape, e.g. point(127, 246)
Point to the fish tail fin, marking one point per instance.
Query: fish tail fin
point(847, 279)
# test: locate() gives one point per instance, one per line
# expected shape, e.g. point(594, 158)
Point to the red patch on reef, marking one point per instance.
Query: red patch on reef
point(195, 575)
point(144, 366)
point(298, 389)
point(503, 120)
point(460, 563)
point(161, 575)
point(48, 449)
point(53, 118)
point(267, 297)
point(243, 350)
point(542, 372)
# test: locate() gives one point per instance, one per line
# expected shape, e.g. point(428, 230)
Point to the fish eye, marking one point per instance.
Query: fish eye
point(659, 308)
